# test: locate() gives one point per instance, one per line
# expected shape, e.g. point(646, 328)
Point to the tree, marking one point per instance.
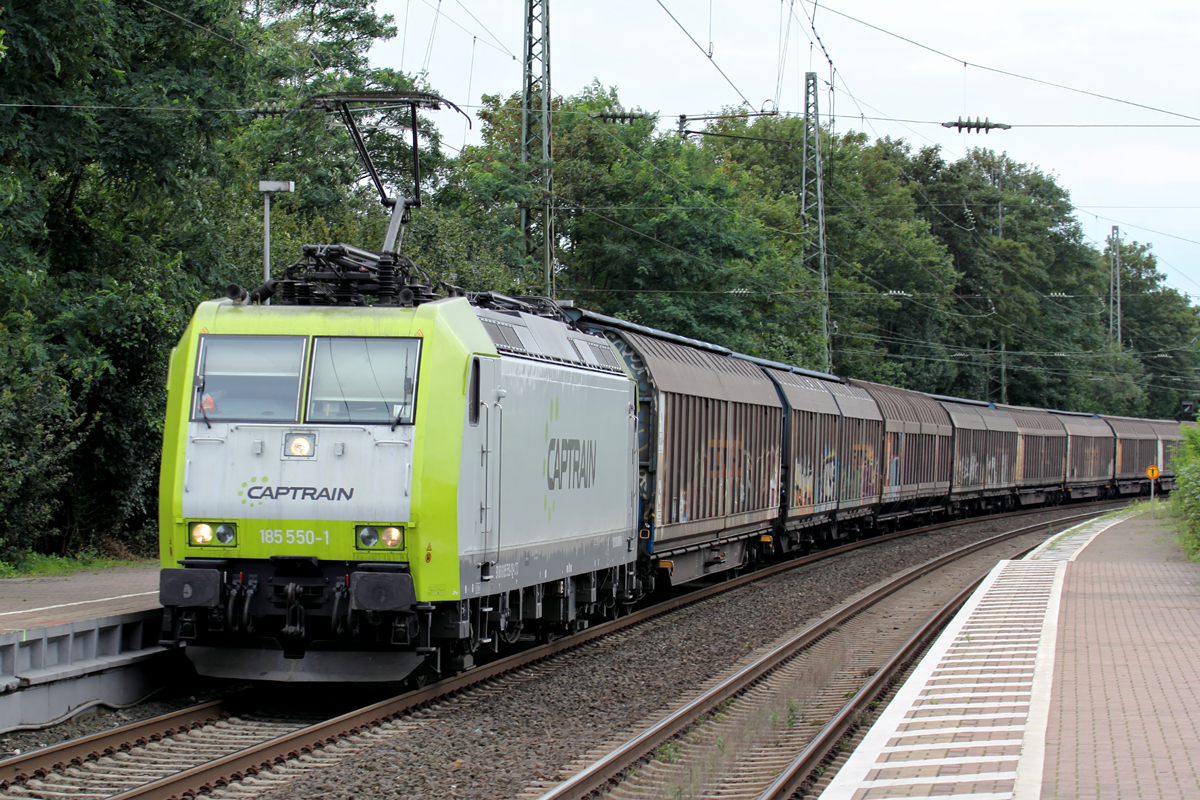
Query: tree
point(1160, 329)
point(127, 189)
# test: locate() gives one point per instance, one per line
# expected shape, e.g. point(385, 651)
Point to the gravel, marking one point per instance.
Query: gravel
point(502, 740)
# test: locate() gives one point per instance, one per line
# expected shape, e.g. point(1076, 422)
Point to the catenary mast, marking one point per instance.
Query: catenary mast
point(538, 216)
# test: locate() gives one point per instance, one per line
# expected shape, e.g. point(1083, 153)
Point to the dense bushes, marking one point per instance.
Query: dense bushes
point(1186, 496)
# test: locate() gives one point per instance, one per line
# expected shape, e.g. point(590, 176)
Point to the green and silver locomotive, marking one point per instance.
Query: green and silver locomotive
point(368, 490)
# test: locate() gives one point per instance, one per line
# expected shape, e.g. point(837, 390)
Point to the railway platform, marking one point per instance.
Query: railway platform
point(74, 642)
point(1071, 673)
point(36, 602)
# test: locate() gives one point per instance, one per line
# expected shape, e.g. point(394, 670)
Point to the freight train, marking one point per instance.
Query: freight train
point(367, 479)
point(373, 482)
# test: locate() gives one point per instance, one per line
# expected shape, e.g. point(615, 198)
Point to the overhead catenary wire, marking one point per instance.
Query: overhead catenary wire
point(404, 36)
point(884, 354)
point(714, 65)
point(1019, 76)
point(987, 247)
point(715, 205)
point(791, 14)
point(613, 221)
point(691, 117)
point(437, 14)
point(470, 80)
point(440, 14)
point(706, 54)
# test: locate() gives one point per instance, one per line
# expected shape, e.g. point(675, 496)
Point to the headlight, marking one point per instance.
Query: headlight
point(202, 533)
point(226, 533)
point(378, 537)
point(213, 534)
point(299, 445)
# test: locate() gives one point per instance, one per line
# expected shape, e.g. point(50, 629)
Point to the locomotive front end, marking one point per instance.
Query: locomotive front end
point(301, 447)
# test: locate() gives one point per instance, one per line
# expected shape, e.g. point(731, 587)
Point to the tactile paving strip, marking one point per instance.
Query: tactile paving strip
point(971, 719)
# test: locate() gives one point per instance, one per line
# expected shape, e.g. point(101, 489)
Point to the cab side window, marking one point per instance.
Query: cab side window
point(473, 394)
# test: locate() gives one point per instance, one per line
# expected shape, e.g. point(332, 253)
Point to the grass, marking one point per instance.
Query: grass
point(1164, 508)
point(668, 752)
point(36, 565)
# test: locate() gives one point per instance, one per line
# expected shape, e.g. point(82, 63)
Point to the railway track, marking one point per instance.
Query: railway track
point(762, 732)
point(207, 747)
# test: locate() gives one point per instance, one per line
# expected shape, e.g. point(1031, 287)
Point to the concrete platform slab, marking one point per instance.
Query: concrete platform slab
point(70, 643)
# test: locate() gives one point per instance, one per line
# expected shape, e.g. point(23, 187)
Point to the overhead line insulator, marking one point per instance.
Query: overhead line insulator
point(985, 126)
point(620, 115)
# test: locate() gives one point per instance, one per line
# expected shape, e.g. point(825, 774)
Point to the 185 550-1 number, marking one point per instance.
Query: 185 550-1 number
point(292, 536)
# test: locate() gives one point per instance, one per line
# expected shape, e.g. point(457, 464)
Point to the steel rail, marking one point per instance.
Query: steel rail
point(251, 760)
point(77, 751)
point(797, 773)
point(600, 773)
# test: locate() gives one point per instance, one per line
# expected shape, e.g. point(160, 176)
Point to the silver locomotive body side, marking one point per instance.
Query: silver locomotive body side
point(547, 491)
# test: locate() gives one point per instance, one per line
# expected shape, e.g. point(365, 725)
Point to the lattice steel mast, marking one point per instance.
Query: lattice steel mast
point(1114, 286)
point(812, 204)
point(538, 216)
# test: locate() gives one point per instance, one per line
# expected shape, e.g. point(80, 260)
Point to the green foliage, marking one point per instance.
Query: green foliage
point(39, 434)
point(32, 564)
point(127, 195)
point(1186, 497)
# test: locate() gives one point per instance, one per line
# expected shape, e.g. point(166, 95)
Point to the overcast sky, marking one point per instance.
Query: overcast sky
point(1144, 179)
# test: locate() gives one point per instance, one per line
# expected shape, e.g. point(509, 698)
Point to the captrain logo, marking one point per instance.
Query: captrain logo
point(569, 463)
point(256, 490)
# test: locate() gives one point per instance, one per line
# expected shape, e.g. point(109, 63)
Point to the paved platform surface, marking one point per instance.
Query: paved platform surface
point(1071, 674)
point(1124, 720)
point(27, 603)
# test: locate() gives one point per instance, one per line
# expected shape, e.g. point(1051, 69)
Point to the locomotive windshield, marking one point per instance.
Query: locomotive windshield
point(363, 380)
point(248, 378)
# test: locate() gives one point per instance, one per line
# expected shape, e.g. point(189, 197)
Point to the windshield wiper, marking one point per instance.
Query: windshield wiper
point(200, 388)
point(403, 387)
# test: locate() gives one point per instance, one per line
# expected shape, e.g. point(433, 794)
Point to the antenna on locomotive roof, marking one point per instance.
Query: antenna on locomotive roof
point(341, 102)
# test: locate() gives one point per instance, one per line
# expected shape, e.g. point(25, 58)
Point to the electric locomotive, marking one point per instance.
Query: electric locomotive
point(359, 491)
